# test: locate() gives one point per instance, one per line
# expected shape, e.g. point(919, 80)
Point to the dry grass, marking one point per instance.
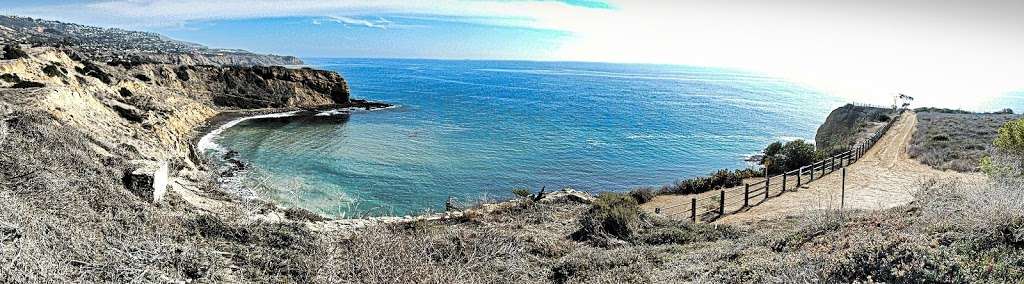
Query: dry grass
point(955, 141)
point(65, 217)
point(72, 222)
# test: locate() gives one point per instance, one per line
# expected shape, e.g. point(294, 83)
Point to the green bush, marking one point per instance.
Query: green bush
point(791, 155)
point(716, 180)
point(27, 84)
point(666, 232)
point(894, 262)
point(13, 52)
point(773, 149)
point(1011, 137)
point(612, 214)
point(521, 192)
point(642, 195)
point(54, 71)
point(798, 153)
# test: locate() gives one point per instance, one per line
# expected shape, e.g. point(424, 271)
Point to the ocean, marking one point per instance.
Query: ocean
point(475, 130)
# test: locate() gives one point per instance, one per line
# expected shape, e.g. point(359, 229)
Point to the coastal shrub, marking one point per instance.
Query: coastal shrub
point(642, 195)
point(521, 192)
point(779, 157)
point(957, 142)
point(773, 149)
point(1011, 137)
point(54, 71)
point(12, 78)
point(716, 180)
point(27, 84)
point(611, 215)
point(300, 214)
point(894, 261)
point(941, 110)
point(181, 73)
point(124, 92)
point(798, 153)
point(664, 231)
point(13, 52)
point(94, 71)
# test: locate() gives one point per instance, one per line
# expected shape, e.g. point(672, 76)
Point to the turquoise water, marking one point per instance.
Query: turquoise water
point(477, 129)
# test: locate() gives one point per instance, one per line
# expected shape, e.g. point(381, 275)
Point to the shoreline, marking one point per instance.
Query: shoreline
point(219, 162)
point(225, 119)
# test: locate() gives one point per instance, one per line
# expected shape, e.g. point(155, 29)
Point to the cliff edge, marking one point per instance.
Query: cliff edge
point(849, 124)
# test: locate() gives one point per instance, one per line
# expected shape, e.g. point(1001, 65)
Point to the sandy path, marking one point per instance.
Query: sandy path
point(883, 178)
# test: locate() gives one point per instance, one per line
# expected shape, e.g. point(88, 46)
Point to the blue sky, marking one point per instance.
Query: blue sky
point(947, 53)
point(385, 36)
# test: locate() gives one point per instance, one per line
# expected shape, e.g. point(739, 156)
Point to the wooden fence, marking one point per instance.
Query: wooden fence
point(728, 201)
point(874, 105)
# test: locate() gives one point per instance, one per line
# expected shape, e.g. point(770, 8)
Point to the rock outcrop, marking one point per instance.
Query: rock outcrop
point(147, 179)
point(148, 111)
point(846, 125)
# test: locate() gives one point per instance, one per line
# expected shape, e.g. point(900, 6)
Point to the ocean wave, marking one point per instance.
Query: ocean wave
point(348, 110)
point(207, 142)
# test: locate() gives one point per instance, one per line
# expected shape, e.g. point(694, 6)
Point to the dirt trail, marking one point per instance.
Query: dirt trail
point(885, 177)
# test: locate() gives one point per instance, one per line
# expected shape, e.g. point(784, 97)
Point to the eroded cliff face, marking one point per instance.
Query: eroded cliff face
point(148, 111)
point(846, 125)
point(224, 59)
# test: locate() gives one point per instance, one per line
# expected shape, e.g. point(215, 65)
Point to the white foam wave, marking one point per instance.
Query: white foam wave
point(347, 110)
point(207, 142)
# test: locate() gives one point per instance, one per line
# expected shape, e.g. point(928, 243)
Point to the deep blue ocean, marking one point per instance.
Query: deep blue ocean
point(477, 129)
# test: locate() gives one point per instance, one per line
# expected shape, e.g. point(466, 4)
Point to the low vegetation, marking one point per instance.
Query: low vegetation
point(958, 111)
point(92, 70)
point(716, 180)
point(955, 141)
point(643, 195)
point(13, 52)
point(93, 230)
point(1006, 161)
point(780, 158)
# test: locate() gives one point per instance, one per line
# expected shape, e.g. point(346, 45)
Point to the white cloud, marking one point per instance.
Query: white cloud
point(349, 21)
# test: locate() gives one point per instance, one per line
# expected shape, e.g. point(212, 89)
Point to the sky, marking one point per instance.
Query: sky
point(960, 54)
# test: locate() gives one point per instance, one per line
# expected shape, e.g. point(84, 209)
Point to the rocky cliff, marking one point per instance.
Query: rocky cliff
point(149, 110)
point(846, 125)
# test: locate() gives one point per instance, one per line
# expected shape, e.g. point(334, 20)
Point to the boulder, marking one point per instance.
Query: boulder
point(568, 195)
point(147, 179)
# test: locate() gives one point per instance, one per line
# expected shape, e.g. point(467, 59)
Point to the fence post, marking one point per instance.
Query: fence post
point(799, 176)
point(767, 186)
point(721, 203)
point(842, 198)
point(693, 209)
point(746, 194)
point(812, 173)
point(784, 175)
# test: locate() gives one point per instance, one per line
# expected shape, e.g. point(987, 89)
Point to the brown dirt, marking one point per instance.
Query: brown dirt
point(885, 177)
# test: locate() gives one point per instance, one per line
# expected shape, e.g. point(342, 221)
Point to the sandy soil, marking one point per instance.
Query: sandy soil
point(885, 177)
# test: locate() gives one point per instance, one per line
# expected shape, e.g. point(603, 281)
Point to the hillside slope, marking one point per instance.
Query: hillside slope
point(106, 44)
point(847, 125)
